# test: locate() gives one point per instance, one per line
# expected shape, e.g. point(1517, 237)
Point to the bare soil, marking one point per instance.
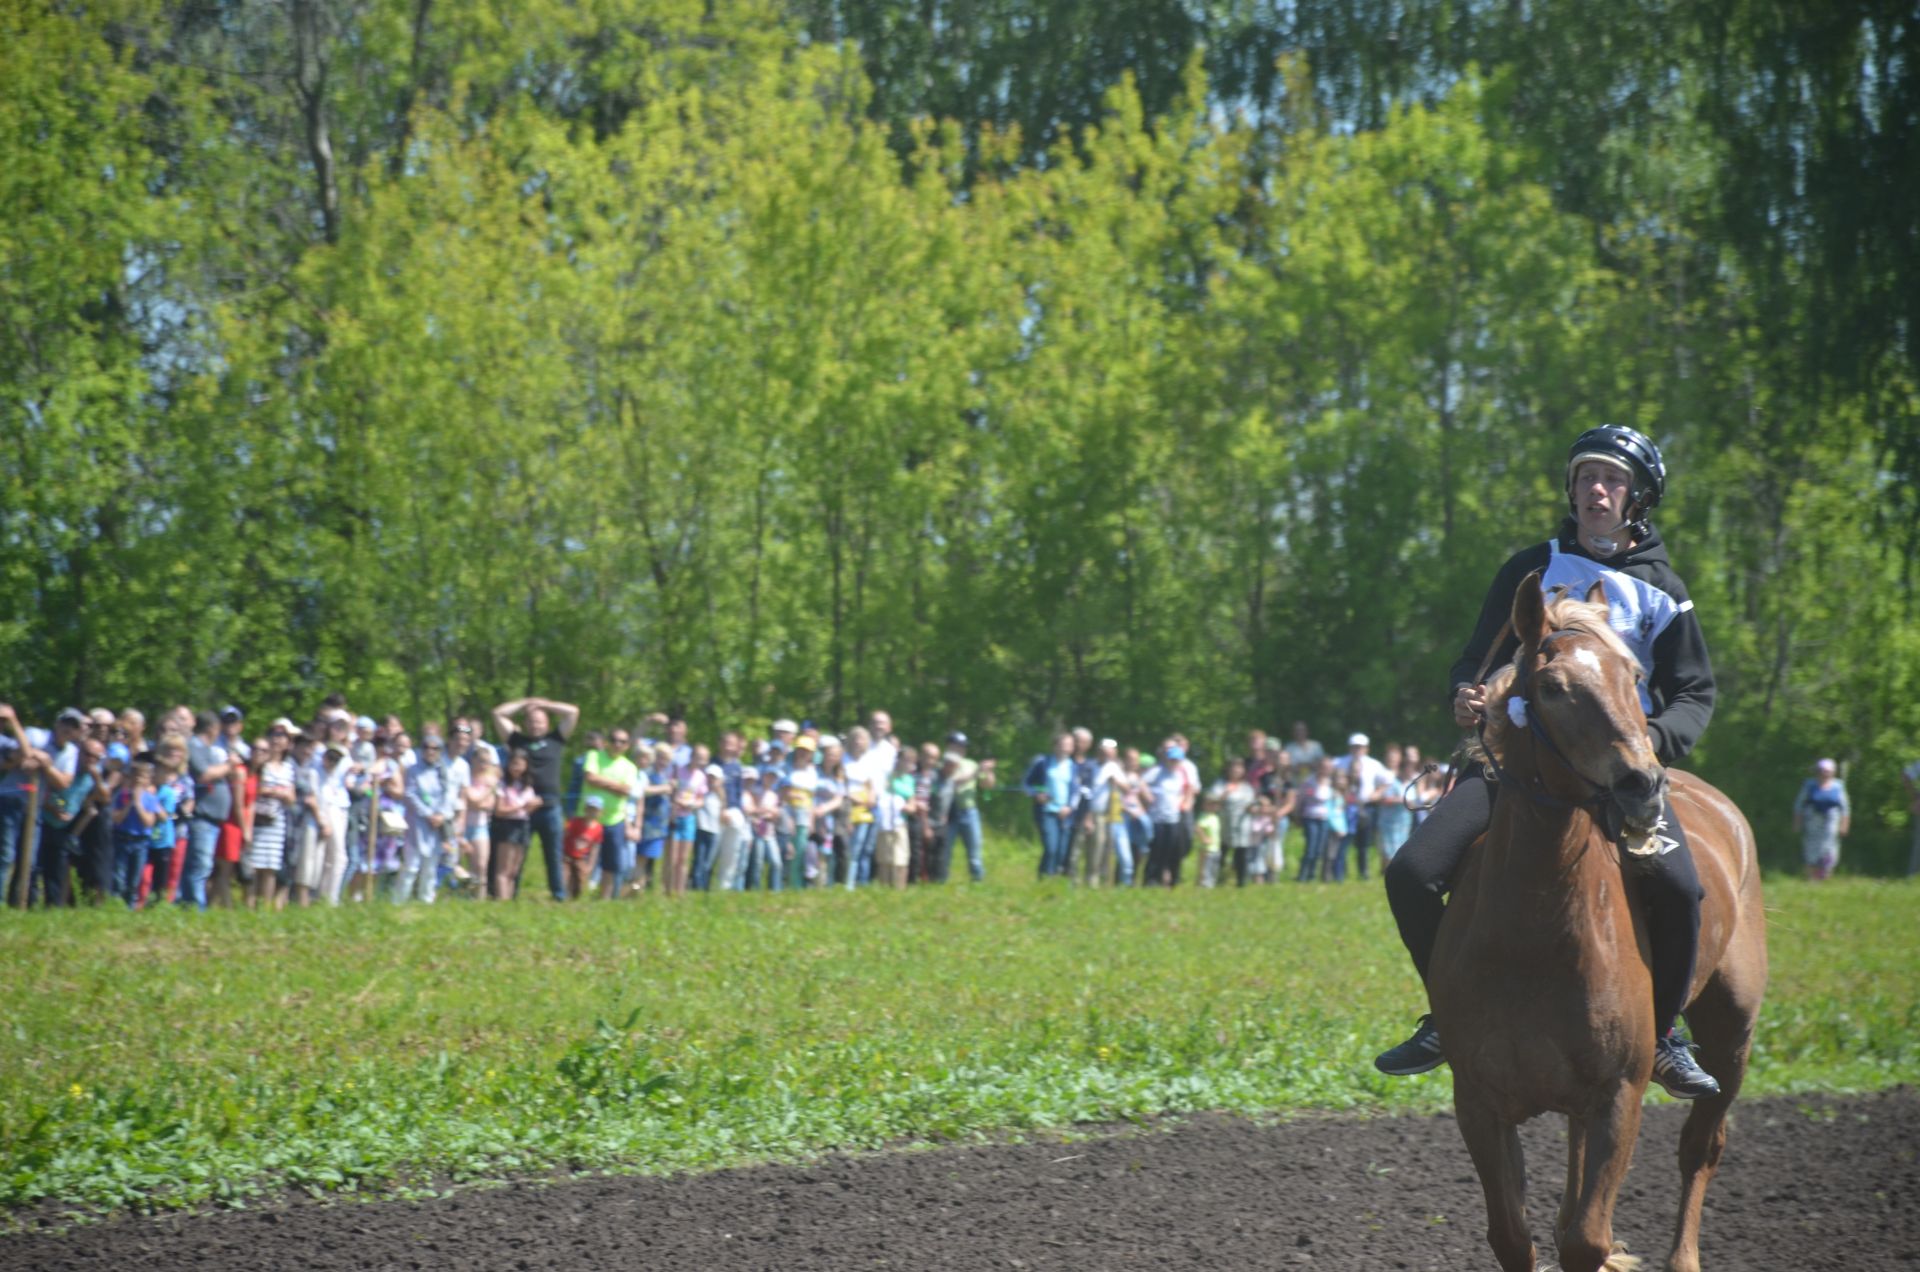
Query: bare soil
point(1807, 1183)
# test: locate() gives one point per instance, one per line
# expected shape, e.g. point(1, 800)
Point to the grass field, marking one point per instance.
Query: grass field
point(165, 1059)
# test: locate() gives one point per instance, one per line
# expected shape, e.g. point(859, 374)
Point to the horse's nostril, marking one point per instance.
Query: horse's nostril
point(1637, 785)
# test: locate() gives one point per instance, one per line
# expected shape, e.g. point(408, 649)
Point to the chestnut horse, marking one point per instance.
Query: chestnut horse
point(1540, 981)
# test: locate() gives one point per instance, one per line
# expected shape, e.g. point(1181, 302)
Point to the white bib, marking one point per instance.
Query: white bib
point(1636, 609)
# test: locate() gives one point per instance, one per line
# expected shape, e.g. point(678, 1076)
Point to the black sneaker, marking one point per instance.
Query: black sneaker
point(1675, 1069)
point(1417, 1054)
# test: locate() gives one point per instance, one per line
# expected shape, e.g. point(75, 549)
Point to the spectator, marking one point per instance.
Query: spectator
point(390, 822)
point(1303, 753)
point(1134, 806)
point(510, 831)
point(655, 814)
point(893, 851)
point(762, 801)
point(1822, 815)
point(1086, 764)
point(1395, 818)
point(865, 786)
point(1168, 798)
point(212, 769)
point(1314, 804)
point(586, 842)
point(1206, 838)
point(269, 816)
point(1234, 796)
point(130, 732)
point(478, 804)
point(610, 775)
point(168, 852)
point(307, 844)
point(18, 770)
point(136, 809)
point(829, 812)
point(543, 739)
point(339, 846)
point(432, 799)
point(1105, 826)
point(689, 794)
point(706, 817)
point(1050, 783)
point(923, 848)
point(964, 779)
point(1366, 780)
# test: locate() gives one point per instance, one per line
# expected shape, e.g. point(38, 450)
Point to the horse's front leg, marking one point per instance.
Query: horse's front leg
point(1494, 1145)
point(1599, 1150)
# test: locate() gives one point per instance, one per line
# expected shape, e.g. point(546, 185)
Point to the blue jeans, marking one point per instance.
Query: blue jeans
point(1118, 843)
point(765, 860)
point(551, 828)
point(13, 826)
point(860, 855)
point(704, 843)
point(1056, 837)
point(965, 824)
point(1316, 831)
point(129, 863)
point(203, 838)
point(56, 866)
point(616, 854)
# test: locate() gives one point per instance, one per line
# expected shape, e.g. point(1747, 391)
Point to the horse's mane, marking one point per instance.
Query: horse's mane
point(1564, 614)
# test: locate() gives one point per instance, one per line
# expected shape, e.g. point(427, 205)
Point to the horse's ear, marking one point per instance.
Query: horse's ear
point(1530, 611)
point(1597, 594)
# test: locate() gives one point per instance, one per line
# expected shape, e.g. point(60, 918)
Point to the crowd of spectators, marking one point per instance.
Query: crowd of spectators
point(203, 810)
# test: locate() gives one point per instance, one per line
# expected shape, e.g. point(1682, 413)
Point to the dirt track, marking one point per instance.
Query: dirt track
point(1808, 1183)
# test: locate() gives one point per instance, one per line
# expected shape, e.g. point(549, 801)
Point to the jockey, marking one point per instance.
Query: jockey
point(1615, 478)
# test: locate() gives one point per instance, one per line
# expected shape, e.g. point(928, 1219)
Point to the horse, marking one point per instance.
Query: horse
point(1540, 983)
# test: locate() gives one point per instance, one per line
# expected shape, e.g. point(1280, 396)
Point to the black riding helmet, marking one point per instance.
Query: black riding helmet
point(1637, 452)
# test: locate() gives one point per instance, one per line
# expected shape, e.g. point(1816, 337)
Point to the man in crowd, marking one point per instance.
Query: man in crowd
point(611, 775)
point(543, 739)
point(1367, 779)
point(212, 768)
point(960, 806)
point(1303, 753)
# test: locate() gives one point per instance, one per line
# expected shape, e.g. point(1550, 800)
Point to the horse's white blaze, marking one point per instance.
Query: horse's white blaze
point(1587, 658)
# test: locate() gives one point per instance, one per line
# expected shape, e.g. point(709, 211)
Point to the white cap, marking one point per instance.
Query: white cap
point(1358, 739)
point(785, 726)
point(827, 740)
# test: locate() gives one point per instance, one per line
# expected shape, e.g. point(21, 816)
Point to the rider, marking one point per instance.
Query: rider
point(1614, 480)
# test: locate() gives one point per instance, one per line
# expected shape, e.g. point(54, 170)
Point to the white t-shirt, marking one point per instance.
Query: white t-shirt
point(1371, 777)
point(1166, 786)
point(1103, 782)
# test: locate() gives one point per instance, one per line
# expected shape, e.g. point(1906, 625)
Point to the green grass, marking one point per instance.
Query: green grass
point(167, 1059)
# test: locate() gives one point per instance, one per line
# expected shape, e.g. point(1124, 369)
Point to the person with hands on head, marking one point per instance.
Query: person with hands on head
point(548, 726)
point(1615, 478)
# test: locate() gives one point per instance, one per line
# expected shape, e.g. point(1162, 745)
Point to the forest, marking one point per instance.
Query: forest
point(1134, 363)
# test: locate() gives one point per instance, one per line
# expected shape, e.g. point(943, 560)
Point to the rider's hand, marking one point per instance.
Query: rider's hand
point(1469, 704)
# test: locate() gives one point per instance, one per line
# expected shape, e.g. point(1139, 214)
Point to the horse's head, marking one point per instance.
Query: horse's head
point(1577, 689)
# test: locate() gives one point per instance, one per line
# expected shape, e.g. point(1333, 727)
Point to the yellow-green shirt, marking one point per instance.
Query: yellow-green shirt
point(613, 808)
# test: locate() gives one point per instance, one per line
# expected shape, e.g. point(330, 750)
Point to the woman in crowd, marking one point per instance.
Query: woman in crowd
point(1822, 815)
point(863, 790)
point(306, 843)
point(1396, 818)
point(1315, 801)
point(764, 801)
point(390, 812)
point(430, 807)
point(1236, 796)
point(269, 812)
point(1133, 804)
point(689, 792)
point(510, 828)
point(653, 813)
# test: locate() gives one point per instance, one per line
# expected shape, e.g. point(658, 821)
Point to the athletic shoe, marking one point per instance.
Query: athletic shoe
point(1675, 1069)
point(1417, 1054)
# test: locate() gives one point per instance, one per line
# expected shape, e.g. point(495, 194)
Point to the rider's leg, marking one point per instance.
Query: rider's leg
point(1422, 872)
point(1673, 894)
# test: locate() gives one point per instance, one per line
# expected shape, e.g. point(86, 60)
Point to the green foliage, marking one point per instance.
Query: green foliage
point(165, 1059)
point(1140, 366)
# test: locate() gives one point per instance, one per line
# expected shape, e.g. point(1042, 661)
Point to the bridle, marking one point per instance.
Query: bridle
point(1599, 795)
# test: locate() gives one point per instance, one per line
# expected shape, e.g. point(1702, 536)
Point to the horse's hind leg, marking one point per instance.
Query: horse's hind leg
point(1494, 1146)
point(1599, 1150)
point(1721, 1020)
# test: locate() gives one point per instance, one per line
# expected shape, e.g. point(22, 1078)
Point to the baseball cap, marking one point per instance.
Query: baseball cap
point(1108, 744)
point(803, 743)
point(748, 773)
point(71, 715)
point(364, 722)
point(286, 726)
point(1358, 739)
point(1827, 766)
point(956, 738)
point(827, 740)
point(785, 726)
point(231, 712)
point(594, 801)
point(714, 770)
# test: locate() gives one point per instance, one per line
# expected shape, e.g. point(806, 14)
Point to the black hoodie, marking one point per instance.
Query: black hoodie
point(1681, 680)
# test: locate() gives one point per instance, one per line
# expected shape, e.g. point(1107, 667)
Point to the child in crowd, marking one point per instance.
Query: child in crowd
point(136, 810)
point(1206, 839)
point(168, 844)
point(581, 846)
point(797, 788)
point(765, 813)
point(510, 829)
point(479, 800)
point(1261, 825)
point(654, 796)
